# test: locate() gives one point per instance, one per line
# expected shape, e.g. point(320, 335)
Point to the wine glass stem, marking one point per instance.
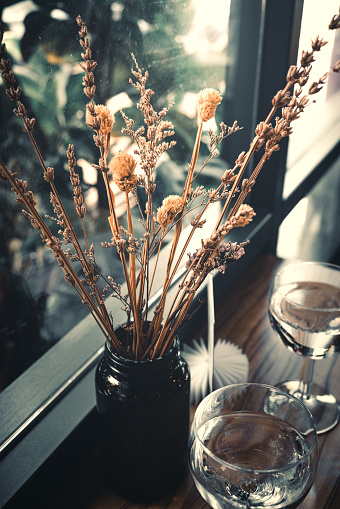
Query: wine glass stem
point(306, 379)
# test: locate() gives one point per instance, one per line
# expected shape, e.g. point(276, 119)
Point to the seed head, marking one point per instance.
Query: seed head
point(208, 100)
point(123, 171)
point(171, 206)
point(105, 116)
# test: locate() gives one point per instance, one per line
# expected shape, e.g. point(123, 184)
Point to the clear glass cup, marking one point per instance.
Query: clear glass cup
point(304, 309)
point(253, 445)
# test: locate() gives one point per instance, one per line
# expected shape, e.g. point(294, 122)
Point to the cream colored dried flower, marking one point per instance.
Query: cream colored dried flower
point(208, 100)
point(123, 171)
point(171, 206)
point(106, 117)
point(244, 215)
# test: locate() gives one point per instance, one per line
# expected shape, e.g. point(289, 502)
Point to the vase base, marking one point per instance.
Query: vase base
point(145, 495)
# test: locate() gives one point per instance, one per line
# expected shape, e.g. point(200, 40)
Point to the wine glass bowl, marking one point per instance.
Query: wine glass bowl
point(304, 309)
point(252, 445)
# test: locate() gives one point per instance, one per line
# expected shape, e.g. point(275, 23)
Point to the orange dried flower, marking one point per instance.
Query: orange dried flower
point(171, 206)
point(208, 100)
point(106, 117)
point(123, 171)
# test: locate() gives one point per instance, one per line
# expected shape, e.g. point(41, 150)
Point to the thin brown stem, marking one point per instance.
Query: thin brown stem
point(137, 335)
point(158, 319)
point(156, 262)
point(144, 271)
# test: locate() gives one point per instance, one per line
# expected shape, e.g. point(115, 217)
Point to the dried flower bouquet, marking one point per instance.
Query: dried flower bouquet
point(149, 337)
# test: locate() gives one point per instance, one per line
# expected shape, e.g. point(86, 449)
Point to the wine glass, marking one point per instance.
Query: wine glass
point(253, 445)
point(304, 309)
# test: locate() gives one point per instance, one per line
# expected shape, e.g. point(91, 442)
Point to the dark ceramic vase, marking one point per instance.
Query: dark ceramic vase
point(144, 423)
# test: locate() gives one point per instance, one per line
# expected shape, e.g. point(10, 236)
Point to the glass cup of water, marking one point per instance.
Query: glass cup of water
point(253, 445)
point(304, 309)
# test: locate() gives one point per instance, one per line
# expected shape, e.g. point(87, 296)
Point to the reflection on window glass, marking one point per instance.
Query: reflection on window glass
point(311, 127)
point(182, 43)
point(311, 230)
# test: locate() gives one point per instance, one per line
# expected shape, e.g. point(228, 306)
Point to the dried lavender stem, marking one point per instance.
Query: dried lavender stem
point(244, 193)
point(76, 244)
point(193, 290)
point(49, 236)
point(197, 219)
point(237, 181)
point(113, 343)
point(160, 338)
point(55, 193)
point(185, 306)
point(37, 151)
point(98, 297)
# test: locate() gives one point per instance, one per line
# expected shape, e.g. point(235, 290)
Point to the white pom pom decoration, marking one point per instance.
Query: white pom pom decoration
point(230, 366)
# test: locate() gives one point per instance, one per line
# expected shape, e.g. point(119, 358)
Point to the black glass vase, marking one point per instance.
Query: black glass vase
point(144, 423)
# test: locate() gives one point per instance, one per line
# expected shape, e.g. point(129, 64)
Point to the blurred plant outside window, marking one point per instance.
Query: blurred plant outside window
point(183, 44)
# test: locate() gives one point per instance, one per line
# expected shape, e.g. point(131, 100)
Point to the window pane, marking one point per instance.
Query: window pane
point(310, 231)
point(320, 123)
point(184, 46)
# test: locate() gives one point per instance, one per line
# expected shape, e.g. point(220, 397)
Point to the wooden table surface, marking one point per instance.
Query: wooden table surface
point(242, 318)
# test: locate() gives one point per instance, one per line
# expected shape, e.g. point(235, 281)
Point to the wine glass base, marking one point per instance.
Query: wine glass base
point(323, 407)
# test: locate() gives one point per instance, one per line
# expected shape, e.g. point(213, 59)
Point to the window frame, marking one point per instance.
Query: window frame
point(67, 371)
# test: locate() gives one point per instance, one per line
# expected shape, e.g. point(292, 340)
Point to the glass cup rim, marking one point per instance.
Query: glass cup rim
point(304, 263)
point(252, 470)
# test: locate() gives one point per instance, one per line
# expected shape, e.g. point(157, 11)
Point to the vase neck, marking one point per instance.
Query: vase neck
point(132, 368)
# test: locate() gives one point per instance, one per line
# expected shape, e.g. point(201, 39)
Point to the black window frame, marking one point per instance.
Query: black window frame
point(67, 371)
